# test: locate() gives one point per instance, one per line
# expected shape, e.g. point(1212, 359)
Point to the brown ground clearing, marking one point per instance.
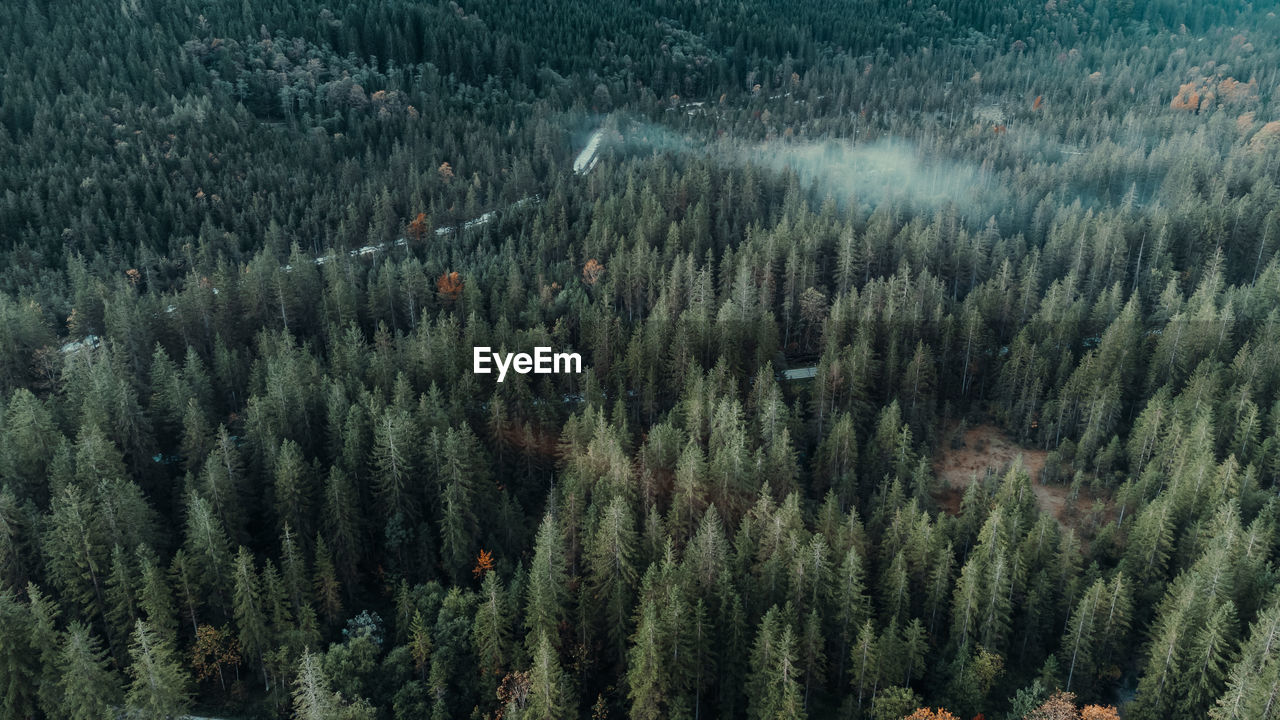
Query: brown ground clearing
point(986, 447)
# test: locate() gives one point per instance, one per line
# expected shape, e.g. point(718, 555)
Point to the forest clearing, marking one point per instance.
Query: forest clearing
point(985, 448)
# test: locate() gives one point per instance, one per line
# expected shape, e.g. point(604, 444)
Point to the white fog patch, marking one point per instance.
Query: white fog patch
point(882, 171)
point(866, 173)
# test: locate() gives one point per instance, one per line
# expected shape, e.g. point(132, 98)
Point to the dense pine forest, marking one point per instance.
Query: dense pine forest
point(931, 360)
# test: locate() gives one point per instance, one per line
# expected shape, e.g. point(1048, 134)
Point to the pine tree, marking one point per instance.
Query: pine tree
point(75, 553)
point(459, 482)
point(19, 669)
point(251, 621)
point(939, 582)
point(775, 690)
point(612, 574)
point(676, 620)
point(549, 697)
point(451, 680)
point(689, 499)
point(1166, 655)
point(14, 534)
point(221, 481)
point(292, 488)
point(314, 700)
point(897, 587)
point(1082, 635)
point(90, 690)
point(197, 436)
point(45, 637)
point(294, 574)
point(187, 589)
point(491, 633)
point(207, 553)
point(1210, 650)
point(702, 653)
point(812, 654)
point(327, 588)
point(160, 687)
point(547, 577)
point(1253, 684)
point(849, 597)
point(982, 602)
point(647, 679)
point(27, 442)
point(396, 443)
point(863, 668)
point(420, 645)
point(915, 642)
point(279, 611)
point(155, 600)
point(122, 606)
point(342, 522)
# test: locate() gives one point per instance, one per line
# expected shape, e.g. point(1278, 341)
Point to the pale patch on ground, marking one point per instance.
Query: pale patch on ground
point(986, 447)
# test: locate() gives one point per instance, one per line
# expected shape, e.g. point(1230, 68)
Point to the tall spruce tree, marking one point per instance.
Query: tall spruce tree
point(160, 687)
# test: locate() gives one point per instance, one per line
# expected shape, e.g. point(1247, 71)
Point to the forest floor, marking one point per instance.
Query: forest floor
point(987, 447)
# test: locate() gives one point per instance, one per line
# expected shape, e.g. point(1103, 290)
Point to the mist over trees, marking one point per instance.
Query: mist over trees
point(246, 250)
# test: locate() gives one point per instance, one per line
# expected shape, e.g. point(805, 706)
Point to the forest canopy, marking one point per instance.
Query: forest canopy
point(931, 360)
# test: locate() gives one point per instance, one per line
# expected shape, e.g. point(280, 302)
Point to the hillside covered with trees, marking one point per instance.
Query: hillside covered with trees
point(812, 252)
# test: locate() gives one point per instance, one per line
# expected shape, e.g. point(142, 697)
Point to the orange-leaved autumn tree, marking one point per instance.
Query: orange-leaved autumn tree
point(418, 227)
point(1234, 92)
point(1265, 137)
point(484, 563)
point(592, 271)
point(1060, 706)
point(214, 650)
point(446, 171)
point(449, 285)
point(927, 714)
point(1188, 98)
point(1099, 712)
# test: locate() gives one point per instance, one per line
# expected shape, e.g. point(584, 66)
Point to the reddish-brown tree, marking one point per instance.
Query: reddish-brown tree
point(484, 563)
point(449, 285)
point(1060, 706)
point(418, 227)
point(928, 714)
point(214, 650)
point(1188, 98)
point(592, 271)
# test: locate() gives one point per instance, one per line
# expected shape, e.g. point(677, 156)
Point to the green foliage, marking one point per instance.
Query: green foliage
point(313, 700)
point(160, 687)
point(18, 659)
point(90, 689)
point(548, 694)
point(824, 255)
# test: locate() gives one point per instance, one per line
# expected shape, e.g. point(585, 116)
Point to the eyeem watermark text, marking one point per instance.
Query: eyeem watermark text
point(541, 362)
